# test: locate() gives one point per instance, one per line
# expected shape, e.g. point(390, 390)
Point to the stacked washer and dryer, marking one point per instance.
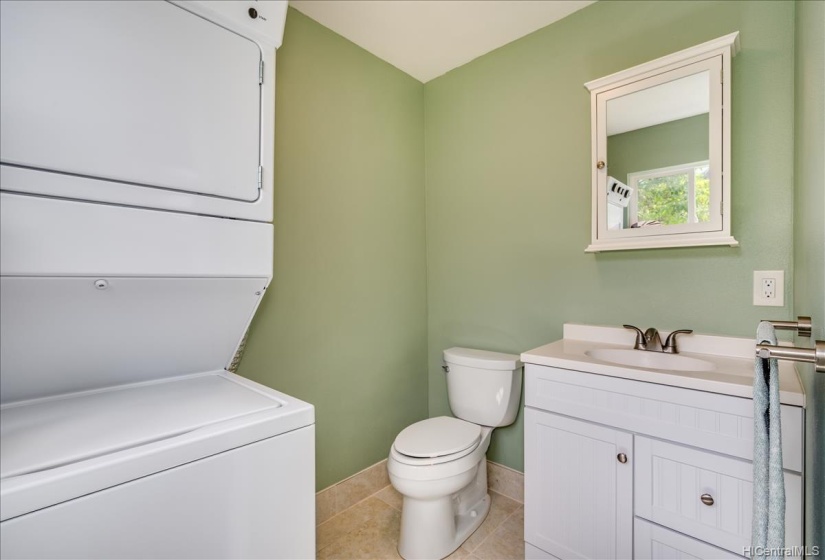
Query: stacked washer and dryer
point(136, 168)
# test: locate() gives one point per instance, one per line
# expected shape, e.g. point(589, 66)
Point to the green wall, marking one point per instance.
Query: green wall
point(343, 324)
point(508, 188)
point(664, 145)
point(809, 240)
point(361, 305)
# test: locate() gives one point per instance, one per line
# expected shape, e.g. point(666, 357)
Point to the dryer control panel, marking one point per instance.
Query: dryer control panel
point(262, 20)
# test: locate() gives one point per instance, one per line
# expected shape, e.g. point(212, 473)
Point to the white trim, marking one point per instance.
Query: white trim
point(726, 43)
point(660, 242)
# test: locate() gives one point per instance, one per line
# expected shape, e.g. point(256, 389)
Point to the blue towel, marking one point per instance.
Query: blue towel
point(768, 480)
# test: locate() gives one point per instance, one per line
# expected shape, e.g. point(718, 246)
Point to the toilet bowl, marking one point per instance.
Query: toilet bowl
point(445, 497)
point(439, 465)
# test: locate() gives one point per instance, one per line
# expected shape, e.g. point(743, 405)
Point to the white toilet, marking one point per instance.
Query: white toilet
point(439, 464)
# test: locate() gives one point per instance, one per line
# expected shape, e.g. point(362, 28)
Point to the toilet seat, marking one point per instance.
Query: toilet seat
point(436, 440)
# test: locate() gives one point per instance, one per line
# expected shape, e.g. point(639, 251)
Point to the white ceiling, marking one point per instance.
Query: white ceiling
point(428, 38)
point(670, 101)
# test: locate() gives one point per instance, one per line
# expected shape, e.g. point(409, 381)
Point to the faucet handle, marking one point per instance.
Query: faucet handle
point(670, 342)
point(641, 342)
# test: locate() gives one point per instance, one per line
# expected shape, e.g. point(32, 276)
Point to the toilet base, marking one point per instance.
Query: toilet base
point(466, 524)
point(435, 528)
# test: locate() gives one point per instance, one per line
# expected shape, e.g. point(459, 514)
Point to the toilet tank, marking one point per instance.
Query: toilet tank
point(483, 387)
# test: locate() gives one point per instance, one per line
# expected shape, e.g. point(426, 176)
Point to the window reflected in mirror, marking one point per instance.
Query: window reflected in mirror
point(670, 196)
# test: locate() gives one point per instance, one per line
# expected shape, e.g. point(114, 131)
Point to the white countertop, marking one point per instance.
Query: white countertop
point(733, 357)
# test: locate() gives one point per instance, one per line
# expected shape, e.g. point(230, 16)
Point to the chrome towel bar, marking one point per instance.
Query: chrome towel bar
point(814, 355)
point(802, 325)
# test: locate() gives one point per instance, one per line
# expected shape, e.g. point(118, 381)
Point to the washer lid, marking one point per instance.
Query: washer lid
point(437, 437)
point(42, 434)
point(60, 448)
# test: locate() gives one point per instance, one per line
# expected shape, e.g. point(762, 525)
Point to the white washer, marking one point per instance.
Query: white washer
point(121, 436)
point(204, 466)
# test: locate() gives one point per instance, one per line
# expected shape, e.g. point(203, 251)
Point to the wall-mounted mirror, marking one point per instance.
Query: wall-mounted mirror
point(661, 151)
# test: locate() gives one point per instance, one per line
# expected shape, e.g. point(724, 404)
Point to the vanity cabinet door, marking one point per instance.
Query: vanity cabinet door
point(578, 487)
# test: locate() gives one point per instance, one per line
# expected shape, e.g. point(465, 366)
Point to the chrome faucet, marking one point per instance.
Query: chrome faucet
point(652, 342)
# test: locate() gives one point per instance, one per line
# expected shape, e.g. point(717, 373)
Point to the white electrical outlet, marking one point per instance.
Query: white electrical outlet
point(769, 288)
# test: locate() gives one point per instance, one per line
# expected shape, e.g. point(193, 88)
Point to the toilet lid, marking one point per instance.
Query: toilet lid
point(437, 437)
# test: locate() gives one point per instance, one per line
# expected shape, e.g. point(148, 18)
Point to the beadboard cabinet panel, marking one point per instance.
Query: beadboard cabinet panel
point(576, 487)
point(672, 479)
point(720, 423)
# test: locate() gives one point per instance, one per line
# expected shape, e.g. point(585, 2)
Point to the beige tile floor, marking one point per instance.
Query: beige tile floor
point(369, 531)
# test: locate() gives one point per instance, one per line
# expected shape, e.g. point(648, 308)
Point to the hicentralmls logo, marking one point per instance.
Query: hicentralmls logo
point(793, 551)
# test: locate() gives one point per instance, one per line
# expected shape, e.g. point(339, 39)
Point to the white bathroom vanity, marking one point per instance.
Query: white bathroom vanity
point(643, 461)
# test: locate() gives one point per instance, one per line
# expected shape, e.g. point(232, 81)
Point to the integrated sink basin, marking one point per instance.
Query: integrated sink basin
point(649, 360)
point(710, 363)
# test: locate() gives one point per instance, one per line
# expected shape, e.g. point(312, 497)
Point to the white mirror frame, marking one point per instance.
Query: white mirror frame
point(707, 56)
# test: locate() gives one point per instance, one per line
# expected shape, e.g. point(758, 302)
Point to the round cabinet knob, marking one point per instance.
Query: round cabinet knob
point(622, 458)
point(707, 499)
point(253, 13)
point(600, 165)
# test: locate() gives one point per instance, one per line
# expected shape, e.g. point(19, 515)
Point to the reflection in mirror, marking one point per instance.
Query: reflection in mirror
point(658, 154)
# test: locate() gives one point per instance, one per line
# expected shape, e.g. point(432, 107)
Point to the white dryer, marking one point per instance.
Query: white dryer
point(135, 246)
point(145, 103)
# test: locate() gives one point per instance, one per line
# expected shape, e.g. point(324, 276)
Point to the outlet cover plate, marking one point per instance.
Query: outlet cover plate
point(760, 296)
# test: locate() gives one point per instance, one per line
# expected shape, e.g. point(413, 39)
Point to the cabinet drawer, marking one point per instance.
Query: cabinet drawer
point(720, 423)
point(670, 481)
point(653, 542)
